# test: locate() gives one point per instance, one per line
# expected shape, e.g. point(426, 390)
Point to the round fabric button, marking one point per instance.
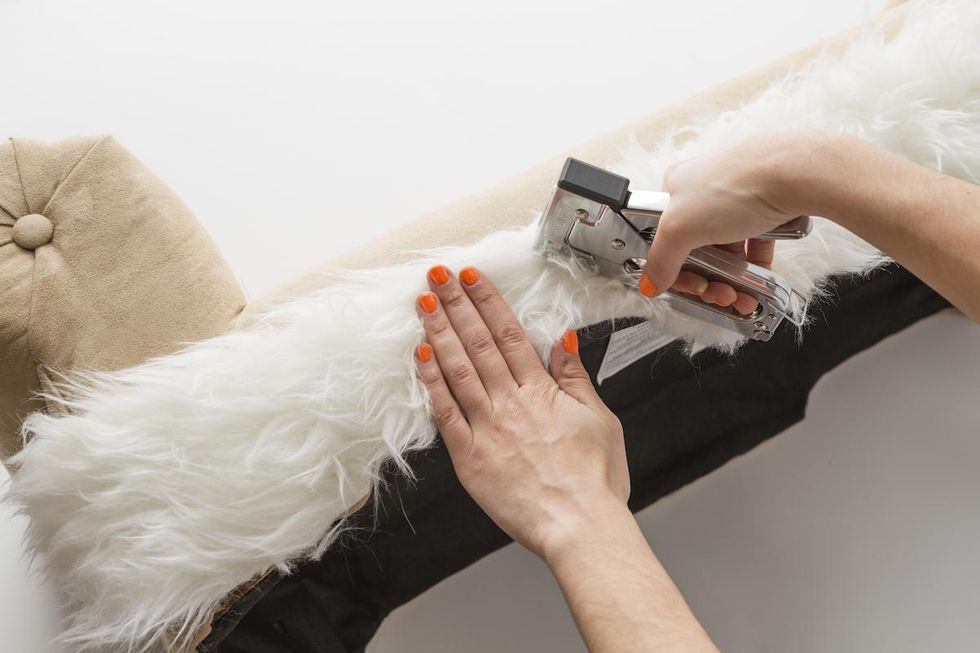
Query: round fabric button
point(32, 231)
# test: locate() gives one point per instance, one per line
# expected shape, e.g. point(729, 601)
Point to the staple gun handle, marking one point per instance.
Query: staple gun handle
point(774, 295)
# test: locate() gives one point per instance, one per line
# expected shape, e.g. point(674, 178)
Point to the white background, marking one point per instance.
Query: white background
point(297, 129)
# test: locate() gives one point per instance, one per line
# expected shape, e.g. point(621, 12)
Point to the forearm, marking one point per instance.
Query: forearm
point(927, 221)
point(620, 596)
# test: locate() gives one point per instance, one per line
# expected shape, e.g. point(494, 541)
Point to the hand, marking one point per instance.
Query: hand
point(544, 458)
point(724, 198)
point(539, 452)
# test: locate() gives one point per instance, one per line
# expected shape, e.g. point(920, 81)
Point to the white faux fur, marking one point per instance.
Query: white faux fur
point(175, 481)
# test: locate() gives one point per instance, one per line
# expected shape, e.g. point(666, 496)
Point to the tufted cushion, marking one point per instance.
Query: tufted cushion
point(102, 267)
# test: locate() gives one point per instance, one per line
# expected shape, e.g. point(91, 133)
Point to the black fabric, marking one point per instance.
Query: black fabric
point(682, 417)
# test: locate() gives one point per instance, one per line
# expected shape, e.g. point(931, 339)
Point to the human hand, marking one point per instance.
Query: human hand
point(724, 199)
point(539, 452)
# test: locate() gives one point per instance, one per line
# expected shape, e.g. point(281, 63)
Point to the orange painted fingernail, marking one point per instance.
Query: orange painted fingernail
point(439, 274)
point(469, 275)
point(646, 286)
point(428, 302)
point(569, 341)
point(424, 352)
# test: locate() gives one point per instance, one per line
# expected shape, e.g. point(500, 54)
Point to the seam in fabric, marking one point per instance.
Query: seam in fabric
point(13, 152)
point(20, 176)
point(71, 172)
point(7, 212)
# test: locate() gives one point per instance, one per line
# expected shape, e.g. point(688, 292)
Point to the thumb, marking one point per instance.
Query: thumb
point(568, 371)
point(664, 260)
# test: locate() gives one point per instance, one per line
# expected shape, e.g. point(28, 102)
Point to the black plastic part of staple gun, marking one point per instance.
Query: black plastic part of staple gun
point(594, 183)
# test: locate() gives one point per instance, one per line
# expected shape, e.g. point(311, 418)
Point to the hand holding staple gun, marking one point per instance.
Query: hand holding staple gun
point(539, 451)
point(708, 241)
point(595, 217)
point(925, 220)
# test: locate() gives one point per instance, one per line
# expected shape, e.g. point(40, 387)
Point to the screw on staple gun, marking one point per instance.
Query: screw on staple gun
point(594, 217)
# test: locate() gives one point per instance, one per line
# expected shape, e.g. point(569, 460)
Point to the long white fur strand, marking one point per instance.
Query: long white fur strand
point(173, 482)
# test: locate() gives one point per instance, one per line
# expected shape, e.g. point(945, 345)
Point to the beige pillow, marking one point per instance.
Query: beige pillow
point(103, 267)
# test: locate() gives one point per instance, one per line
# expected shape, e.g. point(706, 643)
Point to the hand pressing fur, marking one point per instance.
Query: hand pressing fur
point(544, 457)
point(539, 452)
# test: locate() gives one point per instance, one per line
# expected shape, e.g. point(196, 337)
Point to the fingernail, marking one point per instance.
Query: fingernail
point(428, 302)
point(702, 287)
point(424, 352)
point(646, 286)
point(569, 342)
point(438, 274)
point(469, 275)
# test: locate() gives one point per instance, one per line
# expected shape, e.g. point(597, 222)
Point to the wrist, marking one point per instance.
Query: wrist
point(837, 176)
point(803, 172)
point(589, 529)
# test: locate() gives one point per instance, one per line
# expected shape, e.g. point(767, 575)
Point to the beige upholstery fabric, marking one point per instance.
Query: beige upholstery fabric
point(102, 266)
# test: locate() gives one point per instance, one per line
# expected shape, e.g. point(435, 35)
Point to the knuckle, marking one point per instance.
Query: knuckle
point(459, 372)
point(510, 335)
point(673, 238)
point(476, 460)
point(454, 299)
point(429, 375)
point(534, 394)
point(481, 342)
point(445, 415)
point(507, 407)
point(673, 228)
point(576, 373)
point(487, 298)
point(673, 179)
point(439, 326)
point(614, 422)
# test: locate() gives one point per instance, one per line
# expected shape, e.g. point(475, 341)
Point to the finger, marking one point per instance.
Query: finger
point(744, 303)
point(754, 251)
point(760, 252)
point(690, 283)
point(445, 411)
point(511, 340)
point(667, 253)
point(719, 293)
point(456, 366)
point(473, 332)
point(568, 371)
point(736, 248)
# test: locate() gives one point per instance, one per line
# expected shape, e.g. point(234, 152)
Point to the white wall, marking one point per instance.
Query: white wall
point(297, 129)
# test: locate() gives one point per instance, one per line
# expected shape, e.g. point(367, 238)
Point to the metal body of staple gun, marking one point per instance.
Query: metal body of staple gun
point(594, 217)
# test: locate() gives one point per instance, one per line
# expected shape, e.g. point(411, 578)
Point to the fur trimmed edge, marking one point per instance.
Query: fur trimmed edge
point(172, 482)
